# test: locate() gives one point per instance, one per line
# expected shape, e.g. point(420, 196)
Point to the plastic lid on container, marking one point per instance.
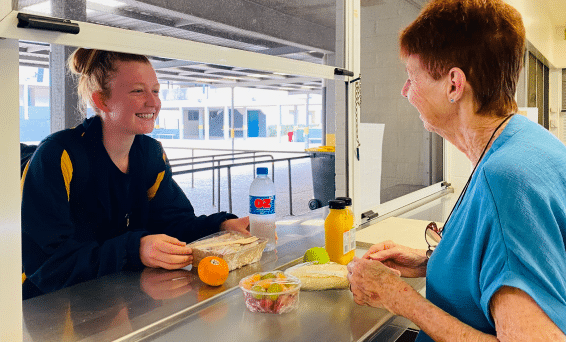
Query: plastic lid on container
point(336, 204)
point(261, 171)
point(346, 200)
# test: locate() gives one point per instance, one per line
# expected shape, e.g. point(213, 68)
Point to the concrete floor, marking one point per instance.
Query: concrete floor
point(201, 196)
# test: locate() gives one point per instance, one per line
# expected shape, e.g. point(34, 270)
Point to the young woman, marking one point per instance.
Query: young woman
point(100, 198)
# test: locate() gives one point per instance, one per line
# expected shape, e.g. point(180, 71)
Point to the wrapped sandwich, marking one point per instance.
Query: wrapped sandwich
point(236, 249)
point(314, 276)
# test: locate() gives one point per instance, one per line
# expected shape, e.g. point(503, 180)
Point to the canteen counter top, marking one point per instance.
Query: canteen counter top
point(161, 305)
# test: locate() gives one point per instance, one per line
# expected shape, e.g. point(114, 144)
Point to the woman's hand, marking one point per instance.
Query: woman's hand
point(240, 225)
point(162, 284)
point(164, 251)
point(408, 262)
point(375, 285)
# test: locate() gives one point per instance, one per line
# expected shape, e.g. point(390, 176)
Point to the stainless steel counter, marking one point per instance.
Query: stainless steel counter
point(160, 305)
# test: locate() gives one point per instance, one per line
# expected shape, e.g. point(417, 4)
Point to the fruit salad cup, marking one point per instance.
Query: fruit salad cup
point(271, 292)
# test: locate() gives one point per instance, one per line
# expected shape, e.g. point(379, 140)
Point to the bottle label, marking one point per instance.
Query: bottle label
point(262, 205)
point(352, 239)
point(349, 241)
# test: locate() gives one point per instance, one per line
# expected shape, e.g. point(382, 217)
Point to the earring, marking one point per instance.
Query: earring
point(451, 100)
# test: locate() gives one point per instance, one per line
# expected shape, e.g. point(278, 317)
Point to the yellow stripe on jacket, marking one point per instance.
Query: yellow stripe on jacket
point(23, 178)
point(153, 190)
point(67, 171)
point(22, 192)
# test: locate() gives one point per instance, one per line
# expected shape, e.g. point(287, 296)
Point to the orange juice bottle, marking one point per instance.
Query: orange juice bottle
point(338, 239)
point(348, 202)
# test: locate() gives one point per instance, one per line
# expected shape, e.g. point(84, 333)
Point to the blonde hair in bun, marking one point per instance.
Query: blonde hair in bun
point(95, 69)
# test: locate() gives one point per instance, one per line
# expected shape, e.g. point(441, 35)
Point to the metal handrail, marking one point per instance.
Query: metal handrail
point(220, 160)
point(207, 156)
point(229, 149)
point(234, 152)
point(230, 166)
point(213, 160)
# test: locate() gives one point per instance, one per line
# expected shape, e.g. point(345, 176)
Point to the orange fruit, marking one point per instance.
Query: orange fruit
point(213, 270)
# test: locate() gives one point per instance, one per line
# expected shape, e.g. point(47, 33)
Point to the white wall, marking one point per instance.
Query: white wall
point(546, 37)
point(383, 76)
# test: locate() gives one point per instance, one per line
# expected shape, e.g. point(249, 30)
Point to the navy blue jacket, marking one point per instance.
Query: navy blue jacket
point(68, 233)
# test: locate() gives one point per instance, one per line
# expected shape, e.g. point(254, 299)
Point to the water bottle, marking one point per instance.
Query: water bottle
point(262, 208)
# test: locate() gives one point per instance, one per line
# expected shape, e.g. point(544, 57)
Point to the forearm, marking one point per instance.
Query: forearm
point(436, 323)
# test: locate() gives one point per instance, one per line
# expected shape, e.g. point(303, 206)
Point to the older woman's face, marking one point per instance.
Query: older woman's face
point(426, 94)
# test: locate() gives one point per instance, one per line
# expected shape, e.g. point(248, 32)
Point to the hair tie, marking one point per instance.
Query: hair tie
point(88, 64)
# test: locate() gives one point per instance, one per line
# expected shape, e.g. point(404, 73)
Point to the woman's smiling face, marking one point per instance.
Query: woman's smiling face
point(134, 101)
point(426, 94)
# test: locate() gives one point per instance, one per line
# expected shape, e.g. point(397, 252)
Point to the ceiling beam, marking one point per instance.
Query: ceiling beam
point(246, 17)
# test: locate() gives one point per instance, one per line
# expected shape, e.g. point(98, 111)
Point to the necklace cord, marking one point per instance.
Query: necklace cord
point(461, 197)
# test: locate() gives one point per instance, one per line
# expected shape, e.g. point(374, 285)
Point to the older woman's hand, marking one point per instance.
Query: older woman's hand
point(374, 284)
point(408, 262)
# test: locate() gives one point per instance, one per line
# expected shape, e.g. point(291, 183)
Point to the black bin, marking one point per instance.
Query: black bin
point(324, 186)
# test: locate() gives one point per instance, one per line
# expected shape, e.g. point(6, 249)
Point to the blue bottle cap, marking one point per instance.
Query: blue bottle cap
point(261, 171)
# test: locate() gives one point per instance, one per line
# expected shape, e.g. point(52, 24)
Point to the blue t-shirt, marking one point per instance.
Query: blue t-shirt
point(509, 230)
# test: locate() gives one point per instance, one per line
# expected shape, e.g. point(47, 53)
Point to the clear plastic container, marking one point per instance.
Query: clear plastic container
point(262, 208)
point(271, 292)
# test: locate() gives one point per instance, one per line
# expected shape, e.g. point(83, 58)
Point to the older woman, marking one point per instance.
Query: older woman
point(100, 198)
point(499, 270)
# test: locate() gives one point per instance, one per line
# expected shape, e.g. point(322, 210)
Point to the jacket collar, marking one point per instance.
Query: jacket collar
point(92, 128)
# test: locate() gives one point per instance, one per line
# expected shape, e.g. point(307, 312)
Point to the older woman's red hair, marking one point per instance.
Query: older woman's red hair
point(486, 39)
